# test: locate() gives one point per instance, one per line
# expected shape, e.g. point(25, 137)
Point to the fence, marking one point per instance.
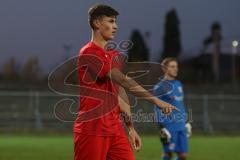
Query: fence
point(35, 111)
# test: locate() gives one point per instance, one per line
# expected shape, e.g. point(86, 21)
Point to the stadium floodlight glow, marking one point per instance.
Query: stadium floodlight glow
point(235, 43)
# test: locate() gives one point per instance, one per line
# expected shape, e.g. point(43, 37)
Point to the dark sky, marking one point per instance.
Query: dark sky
point(41, 27)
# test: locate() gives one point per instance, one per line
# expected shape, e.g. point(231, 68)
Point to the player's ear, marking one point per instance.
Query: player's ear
point(163, 69)
point(96, 23)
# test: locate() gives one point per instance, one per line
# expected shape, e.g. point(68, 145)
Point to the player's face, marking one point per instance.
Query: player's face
point(108, 27)
point(172, 69)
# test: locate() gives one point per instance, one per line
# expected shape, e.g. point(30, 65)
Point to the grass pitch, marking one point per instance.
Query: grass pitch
point(61, 148)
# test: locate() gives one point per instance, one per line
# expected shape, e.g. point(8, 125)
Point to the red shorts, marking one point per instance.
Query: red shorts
point(88, 147)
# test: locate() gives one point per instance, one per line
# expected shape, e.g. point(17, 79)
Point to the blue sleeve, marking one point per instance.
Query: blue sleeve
point(159, 90)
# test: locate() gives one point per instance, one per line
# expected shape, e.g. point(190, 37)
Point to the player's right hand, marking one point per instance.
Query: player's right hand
point(166, 107)
point(165, 135)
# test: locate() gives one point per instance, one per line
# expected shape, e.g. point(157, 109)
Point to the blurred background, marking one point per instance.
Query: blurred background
point(38, 36)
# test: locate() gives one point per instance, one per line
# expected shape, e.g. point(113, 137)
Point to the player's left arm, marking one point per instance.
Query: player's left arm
point(126, 109)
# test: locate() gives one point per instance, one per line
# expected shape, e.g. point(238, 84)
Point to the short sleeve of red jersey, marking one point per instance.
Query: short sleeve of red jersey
point(98, 64)
point(118, 60)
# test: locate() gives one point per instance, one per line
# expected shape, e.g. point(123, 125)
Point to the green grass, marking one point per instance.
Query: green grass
point(36, 148)
point(201, 148)
point(61, 148)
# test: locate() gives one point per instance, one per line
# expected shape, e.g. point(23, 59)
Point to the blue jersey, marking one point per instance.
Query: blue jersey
point(171, 92)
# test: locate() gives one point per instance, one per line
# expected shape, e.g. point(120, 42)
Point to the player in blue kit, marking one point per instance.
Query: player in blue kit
point(174, 129)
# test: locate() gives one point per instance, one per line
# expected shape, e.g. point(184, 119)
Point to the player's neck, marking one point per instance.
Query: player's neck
point(167, 77)
point(98, 40)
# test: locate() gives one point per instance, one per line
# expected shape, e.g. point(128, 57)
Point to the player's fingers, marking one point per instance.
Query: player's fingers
point(138, 144)
point(164, 110)
point(137, 148)
point(175, 108)
point(167, 110)
point(134, 143)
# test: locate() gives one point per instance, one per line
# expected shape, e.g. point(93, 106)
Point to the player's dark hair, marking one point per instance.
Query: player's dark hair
point(167, 60)
point(99, 10)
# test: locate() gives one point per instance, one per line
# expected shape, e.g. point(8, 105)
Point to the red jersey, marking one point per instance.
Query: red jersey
point(99, 108)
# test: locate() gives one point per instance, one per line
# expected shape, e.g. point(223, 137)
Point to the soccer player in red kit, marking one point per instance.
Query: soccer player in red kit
point(98, 131)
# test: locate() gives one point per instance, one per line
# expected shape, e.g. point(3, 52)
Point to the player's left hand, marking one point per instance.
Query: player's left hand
point(135, 139)
point(188, 129)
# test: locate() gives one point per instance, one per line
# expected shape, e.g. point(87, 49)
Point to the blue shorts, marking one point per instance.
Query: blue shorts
point(178, 142)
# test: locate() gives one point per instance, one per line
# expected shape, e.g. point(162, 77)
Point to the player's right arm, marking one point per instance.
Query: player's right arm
point(132, 86)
